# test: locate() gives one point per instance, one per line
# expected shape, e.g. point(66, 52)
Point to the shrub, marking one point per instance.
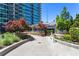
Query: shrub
point(67, 36)
point(49, 31)
point(1, 42)
point(8, 38)
point(74, 32)
point(22, 35)
point(7, 42)
point(15, 38)
point(11, 36)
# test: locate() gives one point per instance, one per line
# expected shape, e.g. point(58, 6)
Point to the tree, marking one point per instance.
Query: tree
point(67, 25)
point(64, 20)
point(65, 14)
point(21, 21)
point(16, 25)
point(76, 21)
point(71, 20)
point(77, 17)
point(40, 25)
point(57, 18)
point(60, 25)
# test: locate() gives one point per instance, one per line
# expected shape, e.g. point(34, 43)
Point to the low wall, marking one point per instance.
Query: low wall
point(7, 49)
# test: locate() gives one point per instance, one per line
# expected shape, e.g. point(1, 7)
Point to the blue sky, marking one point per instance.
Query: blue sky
point(54, 9)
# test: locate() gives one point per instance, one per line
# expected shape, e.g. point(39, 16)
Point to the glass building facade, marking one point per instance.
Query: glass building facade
point(36, 13)
point(31, 12)
point(6, 12)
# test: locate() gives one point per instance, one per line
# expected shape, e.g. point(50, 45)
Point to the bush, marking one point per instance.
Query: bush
point(1, 42)
point(15, 38)
point(22, 35)
point(49, 31)
point(67, 36)
point(11, 36)
point(8, 38)
point(74, 32)
point(7, 42)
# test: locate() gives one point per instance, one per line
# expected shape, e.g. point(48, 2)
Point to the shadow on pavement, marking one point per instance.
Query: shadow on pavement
point(30, 38)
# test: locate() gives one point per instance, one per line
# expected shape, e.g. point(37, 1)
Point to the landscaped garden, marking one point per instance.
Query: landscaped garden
point(16, 30)
point(68, 26)
point(12, 32)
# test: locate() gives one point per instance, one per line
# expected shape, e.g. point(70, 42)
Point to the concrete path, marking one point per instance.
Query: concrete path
point(33, 48)
point(41, 47)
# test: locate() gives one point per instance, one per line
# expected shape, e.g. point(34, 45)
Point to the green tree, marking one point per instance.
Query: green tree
point(65, 14)
point(57, 18)
point(60, 25)
point(77, 17)
point(67, 25)
point(71, 20)
point(76, 21)
point(64, 20)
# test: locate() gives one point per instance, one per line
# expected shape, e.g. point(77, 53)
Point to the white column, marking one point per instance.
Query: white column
point(14, 10)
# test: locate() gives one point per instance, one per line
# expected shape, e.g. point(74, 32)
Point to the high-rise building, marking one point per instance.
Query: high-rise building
point(6, 12)
point(31, 12)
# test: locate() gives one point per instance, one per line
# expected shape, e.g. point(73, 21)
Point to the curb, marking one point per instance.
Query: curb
point(7, 49)
point(67, 44)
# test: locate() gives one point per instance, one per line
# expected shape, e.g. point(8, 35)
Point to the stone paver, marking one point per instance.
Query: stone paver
point(42, 47)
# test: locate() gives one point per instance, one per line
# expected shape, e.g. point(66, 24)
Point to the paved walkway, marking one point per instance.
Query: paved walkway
point(41, 47)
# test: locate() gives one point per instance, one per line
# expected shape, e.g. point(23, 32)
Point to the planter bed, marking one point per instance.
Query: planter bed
point(62, 39)
point(4, 49)
point(9, 48)
point(70, 44)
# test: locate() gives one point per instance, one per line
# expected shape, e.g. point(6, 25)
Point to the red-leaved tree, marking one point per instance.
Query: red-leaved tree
point(15, 25)
point(40, 25)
